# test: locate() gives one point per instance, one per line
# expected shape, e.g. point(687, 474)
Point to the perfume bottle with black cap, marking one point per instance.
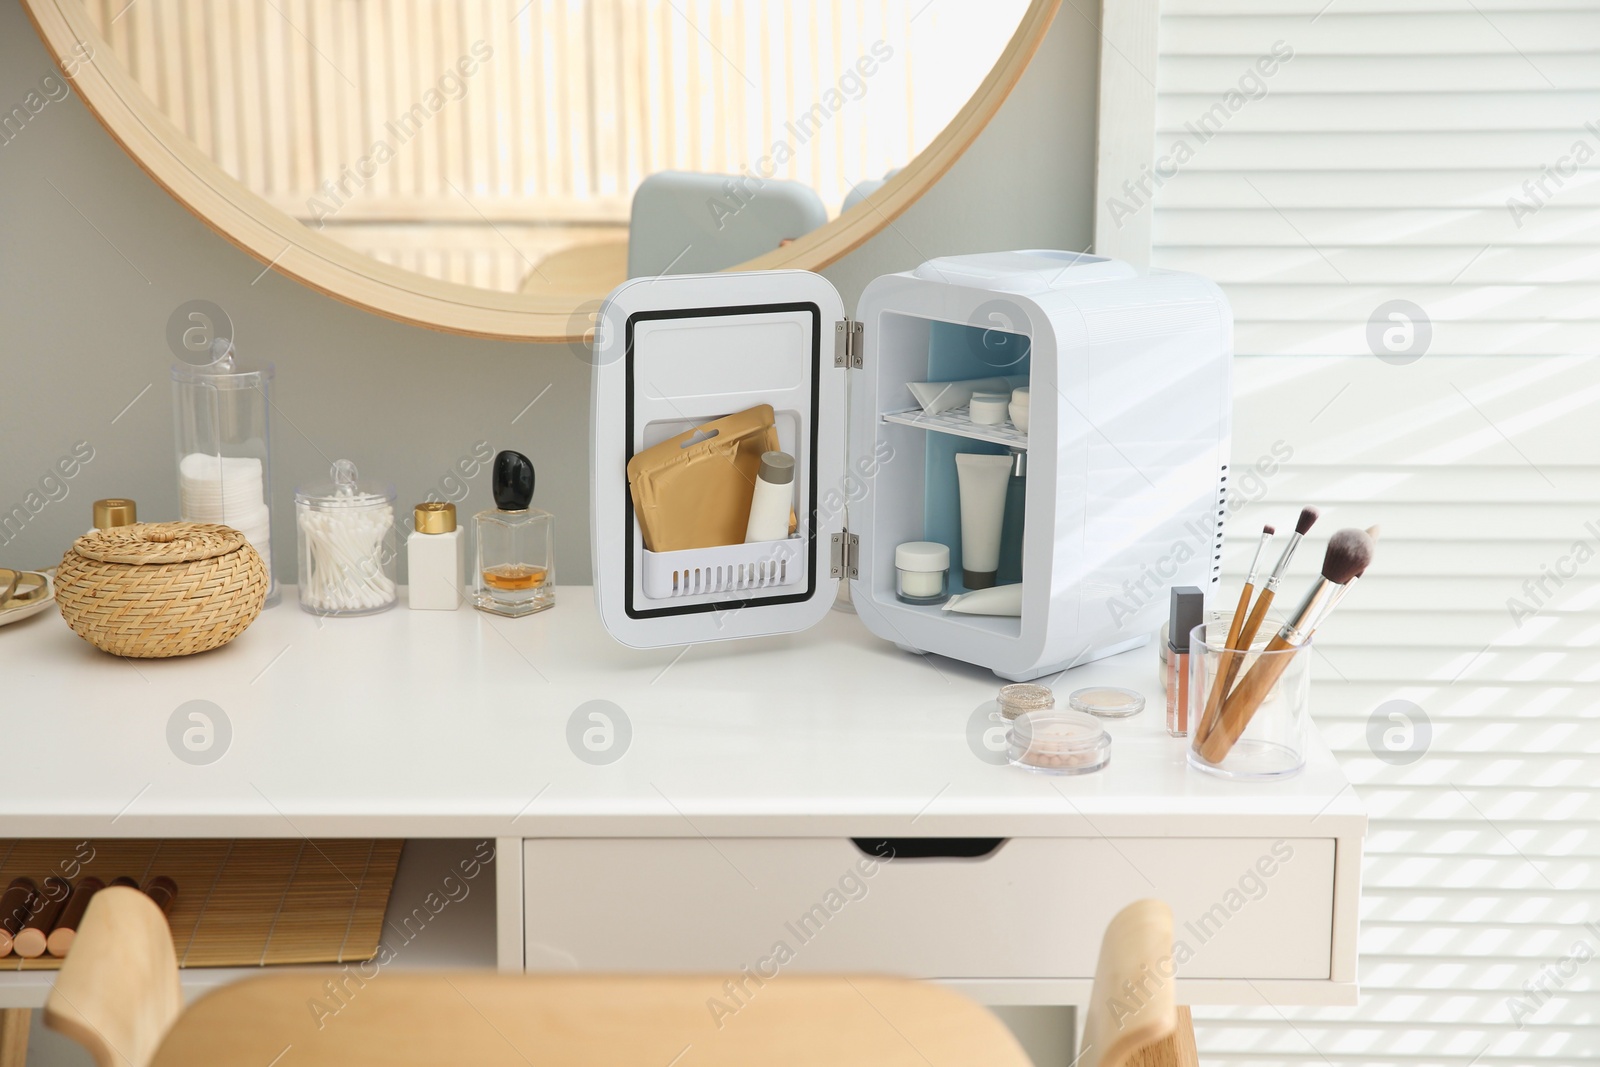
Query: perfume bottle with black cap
point(515, 545)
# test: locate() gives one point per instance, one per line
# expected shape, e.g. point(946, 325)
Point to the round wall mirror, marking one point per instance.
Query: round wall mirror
point(495, 167)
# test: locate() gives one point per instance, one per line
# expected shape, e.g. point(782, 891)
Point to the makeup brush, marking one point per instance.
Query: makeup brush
point(1225, 664)
point(1348, 556)
point(1228, 669)
point(1252, 626)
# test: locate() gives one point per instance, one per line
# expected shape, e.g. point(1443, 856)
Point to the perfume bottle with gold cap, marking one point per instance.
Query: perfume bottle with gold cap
point(434, 557)
point(515, 572)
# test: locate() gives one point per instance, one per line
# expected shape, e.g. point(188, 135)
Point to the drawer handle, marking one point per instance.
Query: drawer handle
point(928, 848)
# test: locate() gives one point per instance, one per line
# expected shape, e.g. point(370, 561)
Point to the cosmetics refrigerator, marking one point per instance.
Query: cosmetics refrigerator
point(1127, 446)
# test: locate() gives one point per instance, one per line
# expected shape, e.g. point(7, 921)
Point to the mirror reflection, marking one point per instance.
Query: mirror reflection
point(562, 145)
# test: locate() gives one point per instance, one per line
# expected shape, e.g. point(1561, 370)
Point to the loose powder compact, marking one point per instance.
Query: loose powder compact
point(1107, 701)
point(1058, 742)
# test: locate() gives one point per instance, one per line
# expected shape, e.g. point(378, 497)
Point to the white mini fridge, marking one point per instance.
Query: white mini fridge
point(1127, 447)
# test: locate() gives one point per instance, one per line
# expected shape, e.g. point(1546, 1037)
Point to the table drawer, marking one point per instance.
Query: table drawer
point(1030, 908)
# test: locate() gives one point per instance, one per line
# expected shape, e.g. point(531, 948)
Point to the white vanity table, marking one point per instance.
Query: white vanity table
point(750, 768)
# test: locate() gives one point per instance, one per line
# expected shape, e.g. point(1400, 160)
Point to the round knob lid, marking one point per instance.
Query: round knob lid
point(512, 481)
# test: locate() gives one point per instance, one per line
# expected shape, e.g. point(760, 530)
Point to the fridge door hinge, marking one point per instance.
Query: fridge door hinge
point(847, 344)
point(845, 555)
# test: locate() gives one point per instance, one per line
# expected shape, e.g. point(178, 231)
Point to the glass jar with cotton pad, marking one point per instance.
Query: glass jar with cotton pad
point(221, 411)
point(922, 572)
point(347, 541)
point(988, 409)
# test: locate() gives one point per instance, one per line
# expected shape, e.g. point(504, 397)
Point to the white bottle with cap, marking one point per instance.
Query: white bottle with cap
point(434, 552)
point(773, 501)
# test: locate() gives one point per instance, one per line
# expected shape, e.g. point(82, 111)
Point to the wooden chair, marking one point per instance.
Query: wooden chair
point(1132, 1020)
point(14, 1024)
point(118, 996)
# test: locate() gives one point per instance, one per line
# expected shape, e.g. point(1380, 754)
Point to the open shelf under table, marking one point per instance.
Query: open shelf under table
point(459, 935)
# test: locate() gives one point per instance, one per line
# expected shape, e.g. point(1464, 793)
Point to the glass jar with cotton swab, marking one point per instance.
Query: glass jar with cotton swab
point(348, 545)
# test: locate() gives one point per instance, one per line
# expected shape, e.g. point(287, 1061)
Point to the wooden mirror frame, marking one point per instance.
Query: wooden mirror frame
point(197, 182)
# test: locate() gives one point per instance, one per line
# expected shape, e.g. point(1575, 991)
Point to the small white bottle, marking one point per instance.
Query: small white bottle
point(436, 556)
point(773, 500)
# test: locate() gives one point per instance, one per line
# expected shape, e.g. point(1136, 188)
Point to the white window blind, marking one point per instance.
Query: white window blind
point(1445, 153)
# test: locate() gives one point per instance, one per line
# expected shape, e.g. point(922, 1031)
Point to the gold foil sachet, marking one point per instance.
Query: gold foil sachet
point(694, 490)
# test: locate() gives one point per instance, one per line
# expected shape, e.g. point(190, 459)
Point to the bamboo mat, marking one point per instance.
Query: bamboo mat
point(240, 903)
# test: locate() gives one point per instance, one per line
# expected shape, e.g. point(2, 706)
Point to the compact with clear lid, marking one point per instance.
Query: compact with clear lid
point(1125, 472)
point(347, 540)
point(1058, 742)
point(1107, 701)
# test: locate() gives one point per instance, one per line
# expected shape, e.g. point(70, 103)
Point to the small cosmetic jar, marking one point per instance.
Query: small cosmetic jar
point(1019, 408)
point(922, 572)
point(988, 409)
point(1058, 742)
point(1107, 701)
point(1023, 697)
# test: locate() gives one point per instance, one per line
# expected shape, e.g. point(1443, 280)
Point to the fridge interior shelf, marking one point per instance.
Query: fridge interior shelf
point(958, 421)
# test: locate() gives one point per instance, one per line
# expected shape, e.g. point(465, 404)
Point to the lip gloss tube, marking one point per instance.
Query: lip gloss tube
point(1187, 610)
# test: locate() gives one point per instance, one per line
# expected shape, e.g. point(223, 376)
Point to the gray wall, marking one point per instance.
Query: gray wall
point(94, 257)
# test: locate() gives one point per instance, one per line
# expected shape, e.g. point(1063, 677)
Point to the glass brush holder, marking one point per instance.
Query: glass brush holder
point(1258, 730)
point(221, 415)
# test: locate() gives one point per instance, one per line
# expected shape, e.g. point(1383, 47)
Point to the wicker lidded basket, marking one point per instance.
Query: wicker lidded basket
point(157, 589)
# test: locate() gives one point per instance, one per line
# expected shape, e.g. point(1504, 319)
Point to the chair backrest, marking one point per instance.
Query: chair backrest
point(117, 993)
point(1131, 1006)
point(364, 1017)
point(865, 188)
point(690, 223)
point(598, 266)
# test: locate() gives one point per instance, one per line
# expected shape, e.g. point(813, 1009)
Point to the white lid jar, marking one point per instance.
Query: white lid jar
point(1018, 408)
point(922, 572)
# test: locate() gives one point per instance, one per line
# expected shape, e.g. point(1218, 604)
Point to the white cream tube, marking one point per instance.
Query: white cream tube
point(982, 480)
point(1001, 600)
